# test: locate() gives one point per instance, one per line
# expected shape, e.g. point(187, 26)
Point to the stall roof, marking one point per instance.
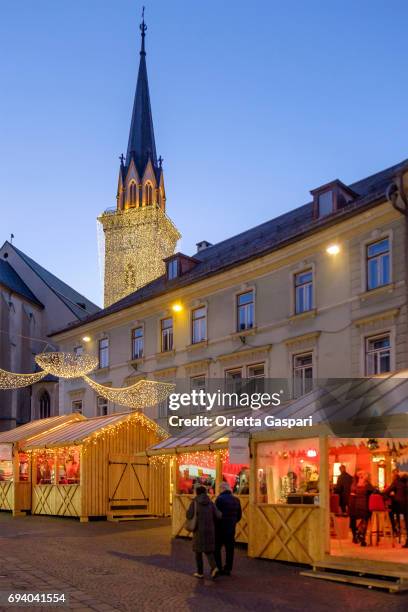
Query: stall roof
point(39, 426)
point(359, 403)
point(77, 432)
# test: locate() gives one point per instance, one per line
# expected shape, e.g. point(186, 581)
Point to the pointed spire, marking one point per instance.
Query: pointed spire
point(141, 145)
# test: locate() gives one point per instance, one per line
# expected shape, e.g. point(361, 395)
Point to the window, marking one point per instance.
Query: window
point(166, 334)
point(256, 378)
point(195, 470)
point(233, 381)
point(199, 325)
point(197, 383)
point(245, 311)
point(78, 351)
point(148, 194)
point(101, 406)
point(45, 468)
point(6, 463)
point(303, 291)
point(288, 471)
point(45, 405)
point(137, 343)
point(378, 355)
point(68, 466)
point(163, 408)
point(172, 269)
point(104, 353)
point(132, 194)
point(77, 406)
point(302, 374)
point(378, 264)
point(325, 203)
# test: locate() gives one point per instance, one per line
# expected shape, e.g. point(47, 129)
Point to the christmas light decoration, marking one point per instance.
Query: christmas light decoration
point(66, 365)
point(141, 395)
point(200, 458)
point(136, 242)
point(10, 380)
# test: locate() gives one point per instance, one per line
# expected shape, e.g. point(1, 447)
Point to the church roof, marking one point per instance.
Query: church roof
point(141, 143)
point(258, 241)
point(79, 305)
point(12, 281)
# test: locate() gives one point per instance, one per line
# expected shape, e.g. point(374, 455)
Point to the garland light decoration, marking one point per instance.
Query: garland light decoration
point(10, 380)
point(66, 365)
point(141, 395)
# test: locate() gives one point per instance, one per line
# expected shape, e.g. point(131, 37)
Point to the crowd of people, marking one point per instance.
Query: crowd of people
point(213, 528)
point(354, 500)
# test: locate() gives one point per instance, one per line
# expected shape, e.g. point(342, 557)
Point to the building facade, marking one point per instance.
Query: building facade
point(33, 302)
point(318, 292)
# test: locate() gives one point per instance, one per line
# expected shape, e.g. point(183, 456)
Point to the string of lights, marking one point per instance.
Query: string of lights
point(66, 365)
point(10, 380)
point(142, 394)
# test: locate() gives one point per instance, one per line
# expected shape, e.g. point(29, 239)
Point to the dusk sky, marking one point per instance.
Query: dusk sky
point(254, 104)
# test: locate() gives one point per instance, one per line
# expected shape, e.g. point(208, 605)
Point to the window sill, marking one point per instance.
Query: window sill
point(134, 363)
point(379, 291)
point(309, 314)
point(197, 345)
point(244, 332)
point(165, 354)
point(102, 370)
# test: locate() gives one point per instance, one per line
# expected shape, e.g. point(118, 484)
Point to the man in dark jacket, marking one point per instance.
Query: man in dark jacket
point(343, 488)
point(204, 533)
point(397, 491)
point(230, 508)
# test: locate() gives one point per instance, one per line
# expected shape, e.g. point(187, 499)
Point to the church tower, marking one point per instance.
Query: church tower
point(138, 233)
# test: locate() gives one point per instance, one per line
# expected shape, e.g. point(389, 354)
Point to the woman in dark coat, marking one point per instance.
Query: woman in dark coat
point(204, 533)
point(361, 490)
point(397, 491)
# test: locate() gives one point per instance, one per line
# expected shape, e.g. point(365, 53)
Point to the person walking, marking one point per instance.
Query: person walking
point(343, 488)
point(204, 532)
point(230, 508)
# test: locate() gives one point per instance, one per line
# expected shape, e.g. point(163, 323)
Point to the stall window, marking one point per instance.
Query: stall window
point(245, 311)
point(237, 476)
point(6, 463)
point(288, 472)
point(378, 355)
point(196, 469)
point(166, 326)
point(23, 467)
point(46, 468)
point(69, 466)
point(302, 374)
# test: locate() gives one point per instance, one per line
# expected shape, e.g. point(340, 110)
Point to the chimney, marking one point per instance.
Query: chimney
point(203, 245)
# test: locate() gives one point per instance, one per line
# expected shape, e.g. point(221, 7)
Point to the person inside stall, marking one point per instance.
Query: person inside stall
point(361, 490)
point(45, 472)
point(343, 488)
point(397, 492)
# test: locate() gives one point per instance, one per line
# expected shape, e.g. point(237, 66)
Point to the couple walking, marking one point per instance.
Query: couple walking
point(213, 527)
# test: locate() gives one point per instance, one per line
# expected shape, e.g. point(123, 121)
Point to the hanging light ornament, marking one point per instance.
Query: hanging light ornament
point(66, 365)
point(141, 395)
point(10, 380)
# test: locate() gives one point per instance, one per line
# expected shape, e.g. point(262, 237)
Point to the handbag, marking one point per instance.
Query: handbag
point(191, 524)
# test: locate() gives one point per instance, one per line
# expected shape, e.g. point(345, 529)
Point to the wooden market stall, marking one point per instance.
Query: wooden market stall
point(91, 468)
point(15, 465)
point(201, 456)
point(291, 510)
point(295, 512)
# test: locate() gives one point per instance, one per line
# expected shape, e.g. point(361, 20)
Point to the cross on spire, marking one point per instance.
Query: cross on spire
point(143, 28)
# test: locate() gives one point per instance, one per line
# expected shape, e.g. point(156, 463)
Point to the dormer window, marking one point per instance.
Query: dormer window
point(330, 198)
point(172, 269)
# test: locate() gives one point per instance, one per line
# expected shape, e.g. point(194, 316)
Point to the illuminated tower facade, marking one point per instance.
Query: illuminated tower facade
point(138, 233)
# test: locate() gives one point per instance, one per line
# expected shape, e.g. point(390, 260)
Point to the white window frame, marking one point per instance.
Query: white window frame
point(195, 377)
point(105, 402)
point(74, 406)
point(380, 258)
point(295, 356)
point(163, 334)
point(378, 336)
point(173, 268)
point(107, 349)
point(230, 371)
point(205, 318)
point(237, 294)
point(376, 236)
point(133, 339)
point(306, 270)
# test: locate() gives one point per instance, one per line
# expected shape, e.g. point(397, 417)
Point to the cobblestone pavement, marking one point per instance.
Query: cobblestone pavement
point(136, 566)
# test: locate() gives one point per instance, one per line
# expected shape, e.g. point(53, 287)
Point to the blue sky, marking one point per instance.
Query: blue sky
point(254, 104)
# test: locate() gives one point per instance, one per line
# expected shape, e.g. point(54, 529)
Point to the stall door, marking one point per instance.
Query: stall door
point(128, 486)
